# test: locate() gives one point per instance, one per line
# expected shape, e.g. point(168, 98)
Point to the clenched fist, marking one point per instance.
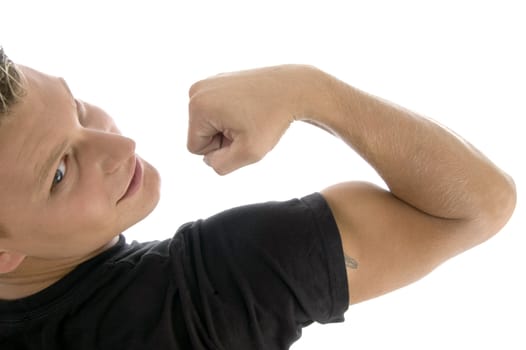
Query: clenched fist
point(236, 118)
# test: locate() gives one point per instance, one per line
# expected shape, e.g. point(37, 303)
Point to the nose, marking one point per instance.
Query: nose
point(108, 150)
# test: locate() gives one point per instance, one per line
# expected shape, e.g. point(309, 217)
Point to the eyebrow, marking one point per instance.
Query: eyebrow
point(55, 154)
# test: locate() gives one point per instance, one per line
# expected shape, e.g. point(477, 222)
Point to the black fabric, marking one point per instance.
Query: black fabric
point(247, 278)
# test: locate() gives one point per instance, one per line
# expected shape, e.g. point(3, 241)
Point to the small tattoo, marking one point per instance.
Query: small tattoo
point(350, 262)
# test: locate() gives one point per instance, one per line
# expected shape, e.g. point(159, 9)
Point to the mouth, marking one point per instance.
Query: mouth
point(135, 181)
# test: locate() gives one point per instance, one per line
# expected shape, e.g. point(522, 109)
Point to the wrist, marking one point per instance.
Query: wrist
point(322, 100)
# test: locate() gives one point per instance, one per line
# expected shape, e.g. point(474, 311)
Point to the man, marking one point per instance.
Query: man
point(247, 278)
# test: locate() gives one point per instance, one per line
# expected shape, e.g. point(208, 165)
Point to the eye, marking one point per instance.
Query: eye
point(60, 173)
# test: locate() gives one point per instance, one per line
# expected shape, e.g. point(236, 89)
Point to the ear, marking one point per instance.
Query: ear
point(9, 261)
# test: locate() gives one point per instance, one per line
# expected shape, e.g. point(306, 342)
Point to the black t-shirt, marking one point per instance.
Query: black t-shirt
point(247, 278)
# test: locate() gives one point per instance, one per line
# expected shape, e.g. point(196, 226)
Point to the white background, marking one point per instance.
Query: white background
point(461, 63)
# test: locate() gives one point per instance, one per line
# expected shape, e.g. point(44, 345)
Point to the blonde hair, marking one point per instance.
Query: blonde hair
point(11, 88)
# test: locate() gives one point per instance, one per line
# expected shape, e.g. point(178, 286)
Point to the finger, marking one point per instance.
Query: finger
point(232, 156)
point(205, 144)
point(204, 131)
point(203, 136)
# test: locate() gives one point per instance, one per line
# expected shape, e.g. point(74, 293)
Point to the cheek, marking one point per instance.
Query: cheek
point(91, 210)
point(69, 229)
point(87, 222)
point(79, 215)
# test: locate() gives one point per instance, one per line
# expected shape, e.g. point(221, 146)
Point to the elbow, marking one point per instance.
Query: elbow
point(509, 201)
point(499, 206)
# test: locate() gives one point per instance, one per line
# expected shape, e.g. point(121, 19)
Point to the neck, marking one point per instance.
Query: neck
point(32, 276)
point(36, 274)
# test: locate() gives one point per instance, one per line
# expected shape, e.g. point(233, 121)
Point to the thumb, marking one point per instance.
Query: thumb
point(232, 155)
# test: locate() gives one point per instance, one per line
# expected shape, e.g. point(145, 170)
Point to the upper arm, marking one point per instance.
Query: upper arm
point(393, 243)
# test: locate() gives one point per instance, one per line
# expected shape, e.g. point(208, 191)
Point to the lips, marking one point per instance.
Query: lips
point(135, 180)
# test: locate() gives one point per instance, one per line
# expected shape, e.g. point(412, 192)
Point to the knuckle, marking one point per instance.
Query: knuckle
point(195, 111)
point(221, 171)
point(190, 145)
point(193, 104)
point(217, 165)
point(198, 104)
point(194, 88)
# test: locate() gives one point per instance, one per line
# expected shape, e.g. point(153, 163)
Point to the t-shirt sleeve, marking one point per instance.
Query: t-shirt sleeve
point(253, 276)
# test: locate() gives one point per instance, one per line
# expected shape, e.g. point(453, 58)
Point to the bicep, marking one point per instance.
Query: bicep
point(392, 242)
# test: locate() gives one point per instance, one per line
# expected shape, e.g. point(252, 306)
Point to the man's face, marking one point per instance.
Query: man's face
point(69, 182)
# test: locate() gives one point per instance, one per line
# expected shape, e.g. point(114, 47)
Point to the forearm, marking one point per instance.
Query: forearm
point(422, 163)
point(445, 196)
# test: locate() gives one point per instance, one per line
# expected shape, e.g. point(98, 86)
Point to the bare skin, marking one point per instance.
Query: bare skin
point(62, 214)
point(444, 196)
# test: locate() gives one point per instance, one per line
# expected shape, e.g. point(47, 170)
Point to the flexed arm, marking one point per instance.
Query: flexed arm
point(444, 196)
